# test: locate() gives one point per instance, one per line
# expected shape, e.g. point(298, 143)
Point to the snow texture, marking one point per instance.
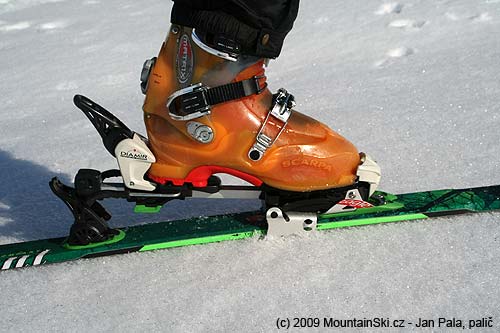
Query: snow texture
point(413, 83)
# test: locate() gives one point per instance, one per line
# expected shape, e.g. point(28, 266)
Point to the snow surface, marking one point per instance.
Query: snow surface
point(414, 83)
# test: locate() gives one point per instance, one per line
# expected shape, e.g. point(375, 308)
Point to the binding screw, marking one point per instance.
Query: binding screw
point(175, 30)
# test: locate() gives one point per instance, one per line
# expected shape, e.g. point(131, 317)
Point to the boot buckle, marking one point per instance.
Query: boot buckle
point(196, 101)
point(189, 103)
point(281, 110)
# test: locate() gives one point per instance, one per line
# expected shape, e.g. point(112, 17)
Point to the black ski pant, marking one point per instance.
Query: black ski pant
point(258, 26)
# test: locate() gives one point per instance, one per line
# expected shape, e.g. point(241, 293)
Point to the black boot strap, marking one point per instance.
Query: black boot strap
point(196, 101)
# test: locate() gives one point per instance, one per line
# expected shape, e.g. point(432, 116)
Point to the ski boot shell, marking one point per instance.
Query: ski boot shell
point(301, 153)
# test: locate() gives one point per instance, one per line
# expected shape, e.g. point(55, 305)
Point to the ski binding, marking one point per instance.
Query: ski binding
point(286, 212)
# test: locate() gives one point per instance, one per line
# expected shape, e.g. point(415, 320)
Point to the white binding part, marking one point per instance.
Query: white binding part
point(134, 159)
point(369, 171)
point(352, 201)
point(291, 223)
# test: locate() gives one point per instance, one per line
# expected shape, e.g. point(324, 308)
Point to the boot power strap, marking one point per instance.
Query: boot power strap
point(197, 100)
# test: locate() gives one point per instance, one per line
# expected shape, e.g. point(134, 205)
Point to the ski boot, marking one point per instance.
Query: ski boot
point(208, 110)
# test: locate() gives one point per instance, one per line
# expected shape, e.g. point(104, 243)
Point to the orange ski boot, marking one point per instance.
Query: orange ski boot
point(208, 111)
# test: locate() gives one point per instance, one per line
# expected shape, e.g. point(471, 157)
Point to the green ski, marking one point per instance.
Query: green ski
point(402, 207)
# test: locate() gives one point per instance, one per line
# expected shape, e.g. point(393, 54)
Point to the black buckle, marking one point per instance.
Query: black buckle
point(256, 79)
point(189, 103)
point(224, 44)
point(252, 86)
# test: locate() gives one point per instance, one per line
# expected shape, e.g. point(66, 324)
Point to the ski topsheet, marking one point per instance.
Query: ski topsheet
point(401, 207)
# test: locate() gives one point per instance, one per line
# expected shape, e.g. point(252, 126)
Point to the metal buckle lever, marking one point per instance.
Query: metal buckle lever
point(284, 103)
point(281, 110)
point(189, 103)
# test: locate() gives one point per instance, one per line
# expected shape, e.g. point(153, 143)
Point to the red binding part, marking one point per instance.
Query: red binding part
point(199, 176)
point(355, 203)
